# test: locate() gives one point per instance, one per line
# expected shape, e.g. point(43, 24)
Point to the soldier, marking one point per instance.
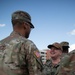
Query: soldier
point(18, 54)
point(51, 65)
point(67, 65)
point(65, 46)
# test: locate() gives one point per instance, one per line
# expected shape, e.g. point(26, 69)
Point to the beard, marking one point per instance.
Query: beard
point(27, 35)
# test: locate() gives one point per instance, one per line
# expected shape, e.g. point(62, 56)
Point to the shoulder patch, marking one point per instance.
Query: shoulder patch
point(37, 54)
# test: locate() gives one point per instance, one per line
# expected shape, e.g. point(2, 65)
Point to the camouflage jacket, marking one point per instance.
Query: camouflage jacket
point(19, 56)
point(67, 65)
point(50, 69)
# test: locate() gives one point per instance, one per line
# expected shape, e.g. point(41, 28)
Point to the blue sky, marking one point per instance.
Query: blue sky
point(54, 20)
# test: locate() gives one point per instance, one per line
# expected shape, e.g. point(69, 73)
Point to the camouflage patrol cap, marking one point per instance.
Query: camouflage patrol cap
point(22, 15)
point(56, 45)
point(64, 44)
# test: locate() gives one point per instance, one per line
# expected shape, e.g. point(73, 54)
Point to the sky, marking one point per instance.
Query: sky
point(54, 20)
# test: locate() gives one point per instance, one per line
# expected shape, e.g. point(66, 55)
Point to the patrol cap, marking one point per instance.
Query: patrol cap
point(22, 15)
point(56, 45)
point(64, 44)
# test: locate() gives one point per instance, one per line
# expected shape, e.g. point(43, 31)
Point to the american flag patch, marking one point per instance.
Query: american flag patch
point(37, 54)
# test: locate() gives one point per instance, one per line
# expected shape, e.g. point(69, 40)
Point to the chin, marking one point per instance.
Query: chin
point(27, 36)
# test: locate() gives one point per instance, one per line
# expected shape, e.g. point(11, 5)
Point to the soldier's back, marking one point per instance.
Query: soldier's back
point(67, 65)
point(17, 56)
point(10, 62)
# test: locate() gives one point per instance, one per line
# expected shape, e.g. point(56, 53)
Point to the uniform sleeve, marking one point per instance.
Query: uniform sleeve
point(33, 66)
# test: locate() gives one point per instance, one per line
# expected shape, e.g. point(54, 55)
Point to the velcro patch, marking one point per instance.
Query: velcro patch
point(37, 54)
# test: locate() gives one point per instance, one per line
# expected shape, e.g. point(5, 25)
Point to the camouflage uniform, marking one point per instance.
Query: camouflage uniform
point(19, 56)
point(67, 65)
point(49, 68)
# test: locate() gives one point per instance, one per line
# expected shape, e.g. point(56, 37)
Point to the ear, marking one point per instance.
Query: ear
point(25, 26)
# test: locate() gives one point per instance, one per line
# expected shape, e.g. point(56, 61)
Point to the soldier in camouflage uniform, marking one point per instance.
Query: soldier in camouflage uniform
point(51, 65)
point(18, 54)
point(67, 65)
point(65, 46)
